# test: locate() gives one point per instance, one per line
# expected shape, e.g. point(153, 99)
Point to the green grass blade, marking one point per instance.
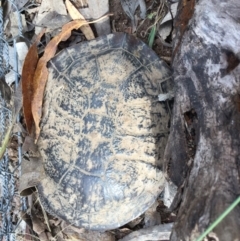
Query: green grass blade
point(219, 219)
point(152, 36)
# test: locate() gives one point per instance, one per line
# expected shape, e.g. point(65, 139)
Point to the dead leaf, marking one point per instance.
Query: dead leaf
point(80, 3)
point(5, 90)
point(27, 218)
point(9, 120)
point(20, 3)
point(15, 18)
point(51, 14)
point(28, 71)
point(158, 232)
point(17, 127)
point(33, 10)
point(130, 6)
point(32, 172)
point(38, 226)
point(96, 9)
point(75, 14)
point(152, 216)
point(5, 140)
point(93, 236)
point(22, 50)
point(58, 234)
point(29, 145)
point(41, 73)
point(132, 224)
point(17, 99)
point(6, 9)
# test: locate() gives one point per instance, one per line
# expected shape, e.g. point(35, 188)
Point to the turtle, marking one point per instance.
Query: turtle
point(103, 132)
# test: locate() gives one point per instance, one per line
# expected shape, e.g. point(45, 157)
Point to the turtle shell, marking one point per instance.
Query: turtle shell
point(103, 132)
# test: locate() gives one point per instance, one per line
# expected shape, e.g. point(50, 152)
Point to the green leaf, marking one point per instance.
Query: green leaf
point(151, 36)
point(151, 16)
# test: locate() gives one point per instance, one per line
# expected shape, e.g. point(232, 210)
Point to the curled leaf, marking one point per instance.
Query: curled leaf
point(75, 14)
point(130, 6)
point(28, 71)
point(41, 73)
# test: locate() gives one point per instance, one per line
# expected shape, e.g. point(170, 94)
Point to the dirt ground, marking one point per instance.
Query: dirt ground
point(120, 22)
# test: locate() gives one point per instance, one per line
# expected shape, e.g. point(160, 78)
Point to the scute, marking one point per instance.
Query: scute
point(103, 132)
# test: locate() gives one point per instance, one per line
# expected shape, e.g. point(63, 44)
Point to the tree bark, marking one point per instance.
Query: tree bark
point(206, 67)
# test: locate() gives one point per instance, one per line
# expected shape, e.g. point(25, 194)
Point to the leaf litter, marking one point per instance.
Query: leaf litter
point(28, 71)
point(41, 73)
point(75, 14)
point(33, 94)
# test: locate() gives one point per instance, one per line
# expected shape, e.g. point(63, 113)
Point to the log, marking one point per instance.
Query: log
point(206, 59)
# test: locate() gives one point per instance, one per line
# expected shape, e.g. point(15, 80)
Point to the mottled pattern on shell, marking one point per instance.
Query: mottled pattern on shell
point(103, 132)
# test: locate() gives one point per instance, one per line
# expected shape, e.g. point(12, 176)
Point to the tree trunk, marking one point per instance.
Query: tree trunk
point(206, 67)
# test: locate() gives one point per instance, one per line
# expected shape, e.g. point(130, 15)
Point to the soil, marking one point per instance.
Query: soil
point(120, 22)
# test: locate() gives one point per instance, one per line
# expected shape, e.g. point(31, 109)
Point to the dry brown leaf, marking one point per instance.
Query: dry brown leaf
point(52, 14)
point(28, 71)
point(75, 14)
point(41, 73)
